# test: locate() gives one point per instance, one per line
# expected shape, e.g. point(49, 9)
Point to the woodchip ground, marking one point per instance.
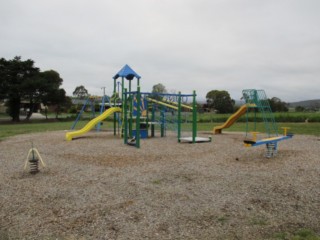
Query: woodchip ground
point(96, 187)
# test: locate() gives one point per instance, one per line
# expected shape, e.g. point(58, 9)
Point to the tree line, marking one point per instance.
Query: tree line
point(220, 101)
point(22, 80)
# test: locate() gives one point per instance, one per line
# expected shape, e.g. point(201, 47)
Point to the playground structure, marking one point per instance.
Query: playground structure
point(138, 113)
point(92, 101)
point(257, 102)
point(92, 123)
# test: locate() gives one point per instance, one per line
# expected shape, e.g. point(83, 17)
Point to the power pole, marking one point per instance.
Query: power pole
point(104, 91)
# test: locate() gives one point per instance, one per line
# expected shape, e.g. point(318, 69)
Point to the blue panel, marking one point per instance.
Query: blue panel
point(143, 133)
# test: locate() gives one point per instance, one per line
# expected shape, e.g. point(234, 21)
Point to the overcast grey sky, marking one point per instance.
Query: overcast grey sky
point(186, 45)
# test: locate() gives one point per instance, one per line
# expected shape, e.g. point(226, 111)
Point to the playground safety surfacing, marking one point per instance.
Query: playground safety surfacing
point(96, 187)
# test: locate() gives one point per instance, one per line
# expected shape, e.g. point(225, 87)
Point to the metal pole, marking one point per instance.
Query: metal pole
point(118, 83)
point(131, 99)
point(114, 104)
point(138, 118)
point(153, 119)
point(194, 118)
point(179, 116)
point(103, 107)
point(163, 121)
point(122, 99)
point(125, 106)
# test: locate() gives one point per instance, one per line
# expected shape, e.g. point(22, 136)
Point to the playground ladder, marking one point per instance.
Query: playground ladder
point(261, 102)
point(82, 110)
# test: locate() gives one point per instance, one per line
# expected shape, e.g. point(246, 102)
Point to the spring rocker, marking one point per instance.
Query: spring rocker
point(32, 160)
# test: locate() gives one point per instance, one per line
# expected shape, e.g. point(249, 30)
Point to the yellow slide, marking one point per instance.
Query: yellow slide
point(231, 120)
point(182, 105)
point(169, 104)
point(162, 103)
point(92, 123)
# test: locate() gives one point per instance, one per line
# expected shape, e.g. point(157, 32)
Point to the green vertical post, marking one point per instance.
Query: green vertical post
point(122, 90)
point(255, 119)
point(138, 118)
point(247, 120)
point(125, 117)
point(153, 120)
point(194, 117)
point(179, 116)
point(114, 86)
point(122, 99)
point(145, 104)
point(114, 102)
point(122, 86)
point(162, 117)
point(130, 110)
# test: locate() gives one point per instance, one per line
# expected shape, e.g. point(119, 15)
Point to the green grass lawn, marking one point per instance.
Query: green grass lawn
point(279, 117)
point(7, 130)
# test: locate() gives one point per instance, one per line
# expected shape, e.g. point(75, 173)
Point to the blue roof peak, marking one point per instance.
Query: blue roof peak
point(127, 73)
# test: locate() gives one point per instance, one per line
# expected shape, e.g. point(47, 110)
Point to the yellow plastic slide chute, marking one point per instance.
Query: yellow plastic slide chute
point(182, 105)
point(92, 123)
point(169, 104)
point(162, 103)
point(232, 119)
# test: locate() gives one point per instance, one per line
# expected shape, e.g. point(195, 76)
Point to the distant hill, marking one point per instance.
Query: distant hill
point(306, 104)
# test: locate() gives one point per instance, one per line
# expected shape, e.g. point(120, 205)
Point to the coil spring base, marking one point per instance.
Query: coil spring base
point(271, 150)
point(34, 166)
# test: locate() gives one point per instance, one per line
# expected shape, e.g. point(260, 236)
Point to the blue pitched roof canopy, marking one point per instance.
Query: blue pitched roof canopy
point(127, 73)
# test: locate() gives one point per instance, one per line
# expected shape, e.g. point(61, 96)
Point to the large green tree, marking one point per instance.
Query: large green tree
point(158, 89)
point(277, 105)
point(53, 95)
point(21, 80)
point(58, 99)
point(15, 76)
point(220, 101)
point(80, 92)
point(45, 88)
